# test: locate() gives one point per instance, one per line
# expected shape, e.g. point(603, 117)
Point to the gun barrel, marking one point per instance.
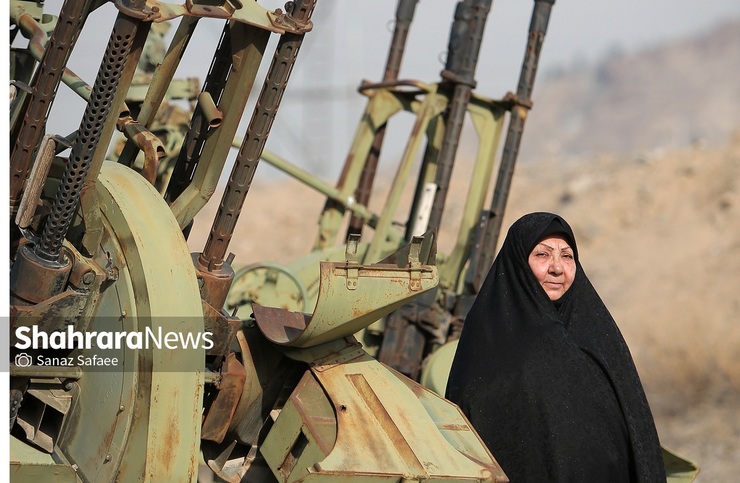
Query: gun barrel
point(483, 253)
point(254, 141)
point(56, 54)
point(132, 31)
point(465, 41)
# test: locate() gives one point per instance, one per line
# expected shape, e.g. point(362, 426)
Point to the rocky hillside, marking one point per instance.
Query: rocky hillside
point(670, 96)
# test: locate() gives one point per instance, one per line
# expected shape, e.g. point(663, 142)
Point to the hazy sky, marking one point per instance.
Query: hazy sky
point(580, 30)
point(351, 38)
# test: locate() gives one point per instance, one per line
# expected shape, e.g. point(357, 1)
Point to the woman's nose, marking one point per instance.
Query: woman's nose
point(556, 265)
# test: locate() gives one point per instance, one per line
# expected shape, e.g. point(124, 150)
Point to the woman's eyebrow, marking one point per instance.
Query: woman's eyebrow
point(567, 247)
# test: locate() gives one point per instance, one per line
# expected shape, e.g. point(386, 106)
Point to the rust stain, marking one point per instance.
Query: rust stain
point(320, 420)
point(278, 325)
point(454, 427)
point(386, 422)
point(221, 412)
point(166, 449)
point(357, 311)
point(107, 440)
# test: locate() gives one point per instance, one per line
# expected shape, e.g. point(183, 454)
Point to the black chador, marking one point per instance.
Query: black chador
point(551, 386)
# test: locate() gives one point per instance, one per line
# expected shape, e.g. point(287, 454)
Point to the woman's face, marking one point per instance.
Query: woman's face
point(553, 265)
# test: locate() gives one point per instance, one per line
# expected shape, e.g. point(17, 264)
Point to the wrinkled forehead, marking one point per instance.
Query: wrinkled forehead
point(556, 241)
point(535, 227)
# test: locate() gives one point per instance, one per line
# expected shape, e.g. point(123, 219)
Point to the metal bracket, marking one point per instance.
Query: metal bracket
point(284, 20)
point(350, 256)
point(415, 263)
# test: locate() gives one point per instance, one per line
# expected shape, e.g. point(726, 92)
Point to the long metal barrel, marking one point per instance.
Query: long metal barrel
point(470, 18)
point(49, 74)
point(254, 141)
point(404, 15)
point(484, 249)
point(187, 159)
point(125, 33)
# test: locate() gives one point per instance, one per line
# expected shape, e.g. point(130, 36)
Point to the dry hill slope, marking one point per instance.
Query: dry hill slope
point(670, 96)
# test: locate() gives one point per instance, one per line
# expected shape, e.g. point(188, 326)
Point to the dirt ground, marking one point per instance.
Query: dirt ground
point(659, 237)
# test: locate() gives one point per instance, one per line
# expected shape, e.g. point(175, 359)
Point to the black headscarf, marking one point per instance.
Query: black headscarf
point(551, 387)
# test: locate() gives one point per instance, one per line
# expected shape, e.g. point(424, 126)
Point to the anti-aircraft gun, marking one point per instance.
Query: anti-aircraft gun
point(124, 364)
point(262, 393)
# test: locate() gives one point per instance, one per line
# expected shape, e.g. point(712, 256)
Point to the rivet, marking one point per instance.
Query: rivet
point(88, 277)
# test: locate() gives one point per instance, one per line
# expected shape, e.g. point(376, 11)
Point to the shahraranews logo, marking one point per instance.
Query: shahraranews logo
point(33, 338)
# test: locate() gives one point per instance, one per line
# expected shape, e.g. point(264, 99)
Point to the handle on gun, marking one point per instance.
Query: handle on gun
point(464, 46)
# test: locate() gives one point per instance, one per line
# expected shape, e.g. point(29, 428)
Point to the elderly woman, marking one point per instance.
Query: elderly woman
point(544, 374)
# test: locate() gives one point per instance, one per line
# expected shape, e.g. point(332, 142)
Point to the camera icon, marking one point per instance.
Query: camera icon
point(23, 360)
